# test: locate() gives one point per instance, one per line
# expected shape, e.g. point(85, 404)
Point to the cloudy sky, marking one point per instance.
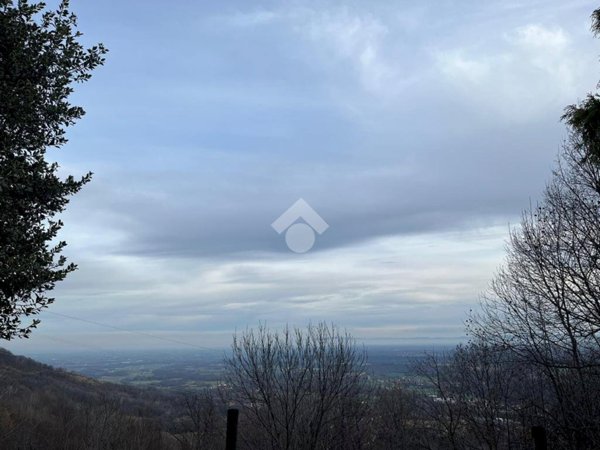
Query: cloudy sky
point(418, 130)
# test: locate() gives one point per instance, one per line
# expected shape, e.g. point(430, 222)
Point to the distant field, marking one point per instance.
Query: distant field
point(194, 369)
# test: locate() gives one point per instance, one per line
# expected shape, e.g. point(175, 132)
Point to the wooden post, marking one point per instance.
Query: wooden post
point(232, 422)
point(539, 438)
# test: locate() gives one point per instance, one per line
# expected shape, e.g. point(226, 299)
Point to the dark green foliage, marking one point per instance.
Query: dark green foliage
point(40, 60)
point(596, 22)
point(584, 118)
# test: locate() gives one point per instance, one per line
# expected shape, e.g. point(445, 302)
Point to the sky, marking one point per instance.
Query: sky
point(419, 131)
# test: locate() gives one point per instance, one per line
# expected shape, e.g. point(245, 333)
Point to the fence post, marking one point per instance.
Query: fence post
point(232, 422)
point(539, 438)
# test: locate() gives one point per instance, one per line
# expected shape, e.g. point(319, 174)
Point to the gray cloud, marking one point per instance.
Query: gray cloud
point(417, 132)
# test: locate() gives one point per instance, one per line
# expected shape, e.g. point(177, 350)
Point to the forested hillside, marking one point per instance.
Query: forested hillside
point(43, 407)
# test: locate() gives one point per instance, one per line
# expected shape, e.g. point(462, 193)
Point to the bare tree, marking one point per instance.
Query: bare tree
point(301, 389)
point(544, 303)
point(492, 396)
point(397, 426)
point(442, 402)
point(202, 425)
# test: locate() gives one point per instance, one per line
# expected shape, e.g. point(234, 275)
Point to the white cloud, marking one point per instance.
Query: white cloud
point(383, 284)
point(354, 38)
point(535, 36)
point(337, 37)
point(535, 70)
point(249, 19)
point(460, 68)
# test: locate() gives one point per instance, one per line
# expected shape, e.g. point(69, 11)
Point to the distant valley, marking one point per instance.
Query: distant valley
point(183, 369)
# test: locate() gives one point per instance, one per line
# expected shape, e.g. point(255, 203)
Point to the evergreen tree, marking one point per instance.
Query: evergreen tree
point(41, 59)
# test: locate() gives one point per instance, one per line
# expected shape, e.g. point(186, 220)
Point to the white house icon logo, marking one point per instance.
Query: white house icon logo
point(300, 236)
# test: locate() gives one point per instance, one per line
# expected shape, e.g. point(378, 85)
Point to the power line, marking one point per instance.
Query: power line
point(73, 343)
point(139, 333)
